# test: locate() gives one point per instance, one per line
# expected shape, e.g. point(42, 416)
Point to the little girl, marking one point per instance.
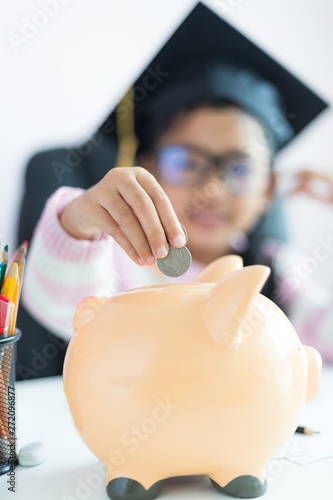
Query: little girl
point(208, 134)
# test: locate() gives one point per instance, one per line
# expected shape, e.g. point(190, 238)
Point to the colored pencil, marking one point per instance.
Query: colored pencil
point(12, 321)
point(5, 311)
point(22, 248)
point(5, 251)
point(14, 258)
point(11, 280)
point(20, 260)
point(4, 265)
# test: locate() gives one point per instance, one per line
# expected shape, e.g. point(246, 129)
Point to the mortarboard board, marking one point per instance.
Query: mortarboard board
point(207, 59)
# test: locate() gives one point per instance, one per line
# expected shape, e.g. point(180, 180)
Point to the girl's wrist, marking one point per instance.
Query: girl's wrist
point(73, 224)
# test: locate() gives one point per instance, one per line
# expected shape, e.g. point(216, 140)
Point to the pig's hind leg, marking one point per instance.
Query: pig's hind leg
point(246, 486)
point(123, 488)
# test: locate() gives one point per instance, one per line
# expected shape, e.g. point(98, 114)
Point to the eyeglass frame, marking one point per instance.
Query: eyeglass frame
point(214, 162)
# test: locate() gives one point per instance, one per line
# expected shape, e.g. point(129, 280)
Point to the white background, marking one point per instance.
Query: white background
point(58, 87)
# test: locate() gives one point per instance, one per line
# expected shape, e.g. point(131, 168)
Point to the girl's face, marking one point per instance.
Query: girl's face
point(214, 204)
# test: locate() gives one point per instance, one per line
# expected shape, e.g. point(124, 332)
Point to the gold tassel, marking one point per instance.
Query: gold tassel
point(127, 140)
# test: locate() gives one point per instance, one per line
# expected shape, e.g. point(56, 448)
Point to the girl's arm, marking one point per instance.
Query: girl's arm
point(71, 255)
point(61, 270)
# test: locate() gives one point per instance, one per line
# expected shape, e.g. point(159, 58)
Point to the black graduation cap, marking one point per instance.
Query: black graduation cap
point(207, 59)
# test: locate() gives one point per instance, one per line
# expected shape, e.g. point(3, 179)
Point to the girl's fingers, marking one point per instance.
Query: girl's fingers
point(144, 209)
point(165, 217)
point(110, 226)
point(317, 186)
point(139, 215)
point(128, 222)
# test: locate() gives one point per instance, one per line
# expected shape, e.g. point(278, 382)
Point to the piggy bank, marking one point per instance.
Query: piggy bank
point(184, 379)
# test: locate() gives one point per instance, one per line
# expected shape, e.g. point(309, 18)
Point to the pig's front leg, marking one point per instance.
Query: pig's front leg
point(123, 488)
point(245, 486)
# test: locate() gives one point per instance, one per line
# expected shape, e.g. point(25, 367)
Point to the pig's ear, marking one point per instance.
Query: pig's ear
point(229, 301)
point(87, 310)
point(219, 268)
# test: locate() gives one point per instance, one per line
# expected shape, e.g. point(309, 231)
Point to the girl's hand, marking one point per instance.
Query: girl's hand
point(318, 186)
point(129, 205)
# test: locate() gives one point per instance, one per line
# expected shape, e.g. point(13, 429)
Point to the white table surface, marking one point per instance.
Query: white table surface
point(72, 472)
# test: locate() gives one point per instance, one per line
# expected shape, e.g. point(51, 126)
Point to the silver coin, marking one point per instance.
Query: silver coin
point(176, 263)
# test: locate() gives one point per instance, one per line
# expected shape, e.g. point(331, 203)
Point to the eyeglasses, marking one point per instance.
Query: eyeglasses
point(188, 167)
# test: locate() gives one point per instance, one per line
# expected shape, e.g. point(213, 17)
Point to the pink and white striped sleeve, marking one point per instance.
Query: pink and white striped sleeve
point(62, 270)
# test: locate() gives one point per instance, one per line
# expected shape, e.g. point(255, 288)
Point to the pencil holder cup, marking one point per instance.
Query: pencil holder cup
point(7, 401)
